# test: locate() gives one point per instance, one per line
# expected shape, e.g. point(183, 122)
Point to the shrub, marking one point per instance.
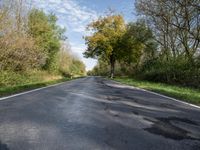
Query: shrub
point(173, 71)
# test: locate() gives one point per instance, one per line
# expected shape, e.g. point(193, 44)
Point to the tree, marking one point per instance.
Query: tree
point(107, 32)
point(69, 65)
point(138, 43)
point(47, 35)
point(77, 67)
point(176, 24)
point(136, 46)
point(18, 51)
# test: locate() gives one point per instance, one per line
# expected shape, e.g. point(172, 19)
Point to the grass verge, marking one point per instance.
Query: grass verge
point(182, 93)
point(5, 91)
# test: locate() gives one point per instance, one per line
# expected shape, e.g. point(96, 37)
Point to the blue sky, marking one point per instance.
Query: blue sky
point(76, 14)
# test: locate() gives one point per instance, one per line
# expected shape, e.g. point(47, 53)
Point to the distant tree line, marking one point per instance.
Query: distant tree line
point(162, 45)
point(31, 40)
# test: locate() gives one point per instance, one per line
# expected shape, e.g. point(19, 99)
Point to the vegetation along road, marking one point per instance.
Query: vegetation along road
point(62, 49)
point(96, 113)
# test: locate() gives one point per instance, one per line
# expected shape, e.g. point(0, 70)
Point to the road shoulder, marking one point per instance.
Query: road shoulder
point(184, 98)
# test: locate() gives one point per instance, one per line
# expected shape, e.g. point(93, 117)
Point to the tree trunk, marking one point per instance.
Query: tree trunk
point(112, 66)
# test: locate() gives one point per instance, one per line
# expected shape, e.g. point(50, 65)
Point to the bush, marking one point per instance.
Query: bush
point(173, 71)
point(19, 53)
point(11, 78)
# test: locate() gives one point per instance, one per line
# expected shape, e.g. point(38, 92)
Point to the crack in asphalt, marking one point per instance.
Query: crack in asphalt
point(164, 127)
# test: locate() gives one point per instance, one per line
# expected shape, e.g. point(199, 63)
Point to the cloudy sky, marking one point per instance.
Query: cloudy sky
point(76, 14)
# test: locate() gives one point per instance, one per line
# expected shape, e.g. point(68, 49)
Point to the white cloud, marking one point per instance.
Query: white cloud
point(76, 16)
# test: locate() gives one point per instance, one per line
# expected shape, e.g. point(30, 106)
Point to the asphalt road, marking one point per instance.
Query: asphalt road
point(97, 114)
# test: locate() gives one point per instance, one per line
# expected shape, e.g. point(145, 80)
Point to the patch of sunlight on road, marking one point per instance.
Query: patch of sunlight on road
point(120, 86)
point(27, 131)
point(84, 95)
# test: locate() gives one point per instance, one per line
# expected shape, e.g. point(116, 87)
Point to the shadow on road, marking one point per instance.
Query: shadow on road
point(99, 114)
point(3, 146)
point(147, 106)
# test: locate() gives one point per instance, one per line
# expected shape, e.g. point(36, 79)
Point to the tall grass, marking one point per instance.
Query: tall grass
point(13, 82)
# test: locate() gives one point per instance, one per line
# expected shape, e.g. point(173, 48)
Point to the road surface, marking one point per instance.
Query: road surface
point(93, 113)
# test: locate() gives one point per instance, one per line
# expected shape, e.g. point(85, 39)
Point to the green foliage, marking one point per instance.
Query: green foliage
point(77, 68)
point(137, 42)
point(107, 32)
point(65, 60)
point(102, 68)
point(47, 35)
point(31, 48)
point(141, 56)
point(134, 46)
point(175, 25)
point(69, 65)
point(163, 46)
point(175, 71)
point(19, 53)
point(104, 42)
point(13, 82)
point(12, 78)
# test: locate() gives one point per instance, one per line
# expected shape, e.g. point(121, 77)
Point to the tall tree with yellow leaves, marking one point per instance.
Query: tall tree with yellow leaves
point(104, 42)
